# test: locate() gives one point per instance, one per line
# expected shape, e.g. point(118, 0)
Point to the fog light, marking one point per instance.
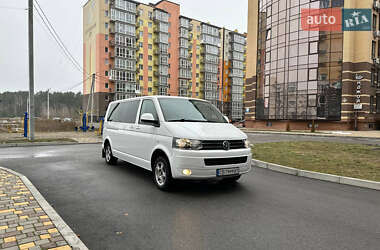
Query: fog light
point(186, 172)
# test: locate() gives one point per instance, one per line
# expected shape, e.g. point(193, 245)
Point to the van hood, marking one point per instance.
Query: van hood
point(205, 131)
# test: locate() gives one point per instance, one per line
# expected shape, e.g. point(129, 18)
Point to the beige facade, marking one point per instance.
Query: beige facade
point(295, 76)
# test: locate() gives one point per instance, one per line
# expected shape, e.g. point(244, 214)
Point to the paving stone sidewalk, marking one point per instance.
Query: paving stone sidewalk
point(23, 222)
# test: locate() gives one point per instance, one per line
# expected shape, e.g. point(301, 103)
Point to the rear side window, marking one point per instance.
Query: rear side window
point(128, 111)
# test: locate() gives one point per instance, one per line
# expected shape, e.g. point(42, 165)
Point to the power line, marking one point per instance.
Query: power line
point(76, 85)
point(58, 37)
point(57, 41)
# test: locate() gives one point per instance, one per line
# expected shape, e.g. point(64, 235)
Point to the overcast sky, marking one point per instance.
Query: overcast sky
point(52, 69)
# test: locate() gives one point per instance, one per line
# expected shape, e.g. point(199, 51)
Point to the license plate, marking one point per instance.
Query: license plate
point(227, 171)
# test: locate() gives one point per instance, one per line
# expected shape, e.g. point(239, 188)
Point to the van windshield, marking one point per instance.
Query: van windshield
point(184, 110)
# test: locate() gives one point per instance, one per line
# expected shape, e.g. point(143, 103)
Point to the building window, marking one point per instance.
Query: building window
point(141, 34)
point(141, 12)
point(141, 56)
point(378, 103)
point(197, 75)
point(373, 49)
point(374, 22)
point(106, 25)
point(150, 79)
point(141, 23)
point(106, 73)
point(372, 104)
point(106, 62)
point(141, 66)
point(150, 24)
point(150, 35)
point(374, 79)
point(106, 49)
point(268, 34)
point(106, 37)
point(106, 13)
point(197, 94)
point(150, 58)
point(150, 14)
point(197, 66)
point(106, 86)
point(150, 46)
point(141, 78)
point(150, 68)
point(141, 44)
point(149, 89)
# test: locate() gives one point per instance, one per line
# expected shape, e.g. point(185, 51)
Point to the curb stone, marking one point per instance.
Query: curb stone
point(13, 145)
point(310, 134)
point(318, 176)
point(67, 233)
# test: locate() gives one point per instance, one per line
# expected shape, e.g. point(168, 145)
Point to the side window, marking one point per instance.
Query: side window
point(148, 107)
point(128, 111)
point(113, 115)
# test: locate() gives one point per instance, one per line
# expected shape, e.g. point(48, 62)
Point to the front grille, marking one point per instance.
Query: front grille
point(218, 145)
point(225, 161)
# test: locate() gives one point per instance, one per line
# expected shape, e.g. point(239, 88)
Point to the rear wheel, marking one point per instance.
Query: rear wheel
point(162, 175)
point(110, 159)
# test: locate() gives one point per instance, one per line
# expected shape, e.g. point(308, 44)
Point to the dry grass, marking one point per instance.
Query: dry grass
point(351, 160)
point(54, 126)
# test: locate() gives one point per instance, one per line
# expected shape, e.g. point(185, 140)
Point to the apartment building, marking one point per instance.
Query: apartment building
point(137, 49)
point(298, 77)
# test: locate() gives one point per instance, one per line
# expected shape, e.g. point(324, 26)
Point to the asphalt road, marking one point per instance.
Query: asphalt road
point(256, 138)
point(120, 208)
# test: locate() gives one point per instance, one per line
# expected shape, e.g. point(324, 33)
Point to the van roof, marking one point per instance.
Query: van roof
point(157, 97)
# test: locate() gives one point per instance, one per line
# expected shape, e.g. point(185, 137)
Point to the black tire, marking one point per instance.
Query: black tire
point(162, 174)
point(231, 180)
point(110, 159)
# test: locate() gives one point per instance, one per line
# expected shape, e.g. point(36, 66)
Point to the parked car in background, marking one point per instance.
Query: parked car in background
point(67, 120)
point(56, 119)
point(175, 138)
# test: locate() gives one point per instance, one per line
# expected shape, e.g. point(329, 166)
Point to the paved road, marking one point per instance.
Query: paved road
point(266, 210)
point(263, 138)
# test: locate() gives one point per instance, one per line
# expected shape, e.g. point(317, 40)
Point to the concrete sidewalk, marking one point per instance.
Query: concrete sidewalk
point(27, 221)
point(355, 134)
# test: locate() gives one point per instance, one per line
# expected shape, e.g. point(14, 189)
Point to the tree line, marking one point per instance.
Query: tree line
point(14, 104)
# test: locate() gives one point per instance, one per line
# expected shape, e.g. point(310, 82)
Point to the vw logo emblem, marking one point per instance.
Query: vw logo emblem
point(226, 145)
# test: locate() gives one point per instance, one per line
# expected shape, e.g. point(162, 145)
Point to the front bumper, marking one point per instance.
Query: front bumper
point(194, 160)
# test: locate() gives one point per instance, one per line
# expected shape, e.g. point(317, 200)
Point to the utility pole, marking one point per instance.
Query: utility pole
point(31, 70)
point(91, 95)
point(92, 98)
point(48, 104)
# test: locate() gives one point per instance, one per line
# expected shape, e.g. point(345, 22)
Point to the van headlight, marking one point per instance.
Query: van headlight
point(247, 144)
point(183, 143)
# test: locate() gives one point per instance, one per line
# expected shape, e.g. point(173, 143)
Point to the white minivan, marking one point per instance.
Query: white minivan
point(175, 138)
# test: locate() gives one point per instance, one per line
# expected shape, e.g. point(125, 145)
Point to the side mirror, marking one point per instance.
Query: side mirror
point(148, 118)
point(226, 118)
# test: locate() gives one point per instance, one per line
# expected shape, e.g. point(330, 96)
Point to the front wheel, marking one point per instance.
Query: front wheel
point(110, 159)
point(162, 175)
